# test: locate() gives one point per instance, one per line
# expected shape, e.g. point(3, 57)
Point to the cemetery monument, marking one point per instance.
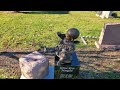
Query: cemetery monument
point(67, 64)
point(109, 38)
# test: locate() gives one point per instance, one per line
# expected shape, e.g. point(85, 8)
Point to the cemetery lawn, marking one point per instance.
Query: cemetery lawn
point(28, 31)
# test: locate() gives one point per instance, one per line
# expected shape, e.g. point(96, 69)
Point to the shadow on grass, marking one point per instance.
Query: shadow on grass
point(94, 73)
point(89, 74)
point(90, 52)
point(91, 70)
point(45, 12)
point(13, 54)
point(97, 55)
point(117, 17)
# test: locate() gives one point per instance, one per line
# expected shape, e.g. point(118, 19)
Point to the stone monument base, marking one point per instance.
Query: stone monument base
point(67, 72)
point(49, 76)
point(34, 66)
point(99, 46)
point(22, 77)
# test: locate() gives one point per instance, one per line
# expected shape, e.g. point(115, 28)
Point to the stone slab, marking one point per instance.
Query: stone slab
point(109, 37)
point(49, 76)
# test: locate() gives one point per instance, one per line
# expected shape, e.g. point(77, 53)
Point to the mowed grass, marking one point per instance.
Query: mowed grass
point(38, 28)
point(33, 29)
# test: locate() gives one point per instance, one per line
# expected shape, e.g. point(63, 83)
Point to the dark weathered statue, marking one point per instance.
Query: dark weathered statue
point(66, 46)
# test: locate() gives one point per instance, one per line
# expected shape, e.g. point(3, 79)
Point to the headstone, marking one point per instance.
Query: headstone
point(110, 37)
point(98, 13)
point(34, 66)
point(106, 14)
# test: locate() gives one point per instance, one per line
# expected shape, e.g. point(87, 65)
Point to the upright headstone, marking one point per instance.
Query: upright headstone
point(110, 37)
point(106, 14)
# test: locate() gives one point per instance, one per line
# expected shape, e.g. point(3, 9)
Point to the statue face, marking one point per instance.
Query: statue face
point(68, 37)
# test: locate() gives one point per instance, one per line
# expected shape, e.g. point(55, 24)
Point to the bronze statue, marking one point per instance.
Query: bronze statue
point(66, 46)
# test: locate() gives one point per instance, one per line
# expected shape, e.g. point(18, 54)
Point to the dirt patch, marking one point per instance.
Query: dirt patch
point(94, 64)
point(9, 62)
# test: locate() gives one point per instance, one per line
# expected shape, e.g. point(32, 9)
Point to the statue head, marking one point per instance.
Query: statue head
point(72, 33)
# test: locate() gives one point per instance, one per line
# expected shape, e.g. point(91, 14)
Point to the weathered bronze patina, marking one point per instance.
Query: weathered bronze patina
point(66, 47)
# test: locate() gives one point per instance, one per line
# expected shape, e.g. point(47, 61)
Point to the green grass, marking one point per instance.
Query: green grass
point(38, 28)
point(5, 73)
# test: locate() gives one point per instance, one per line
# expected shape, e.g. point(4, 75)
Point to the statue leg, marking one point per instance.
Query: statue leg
point(58, 63)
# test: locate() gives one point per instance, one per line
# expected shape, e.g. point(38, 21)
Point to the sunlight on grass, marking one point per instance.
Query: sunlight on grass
point(32, 29)
point(4, 74)
point(38, 28)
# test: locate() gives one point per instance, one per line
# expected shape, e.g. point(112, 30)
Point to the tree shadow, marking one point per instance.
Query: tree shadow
point(94, 73)
point(13, 54)
point(102, 57)
point(89, 74)
point(97, 55)
point(90, 52)
point(117, 17)
point(96, 70)
point(44, 12)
